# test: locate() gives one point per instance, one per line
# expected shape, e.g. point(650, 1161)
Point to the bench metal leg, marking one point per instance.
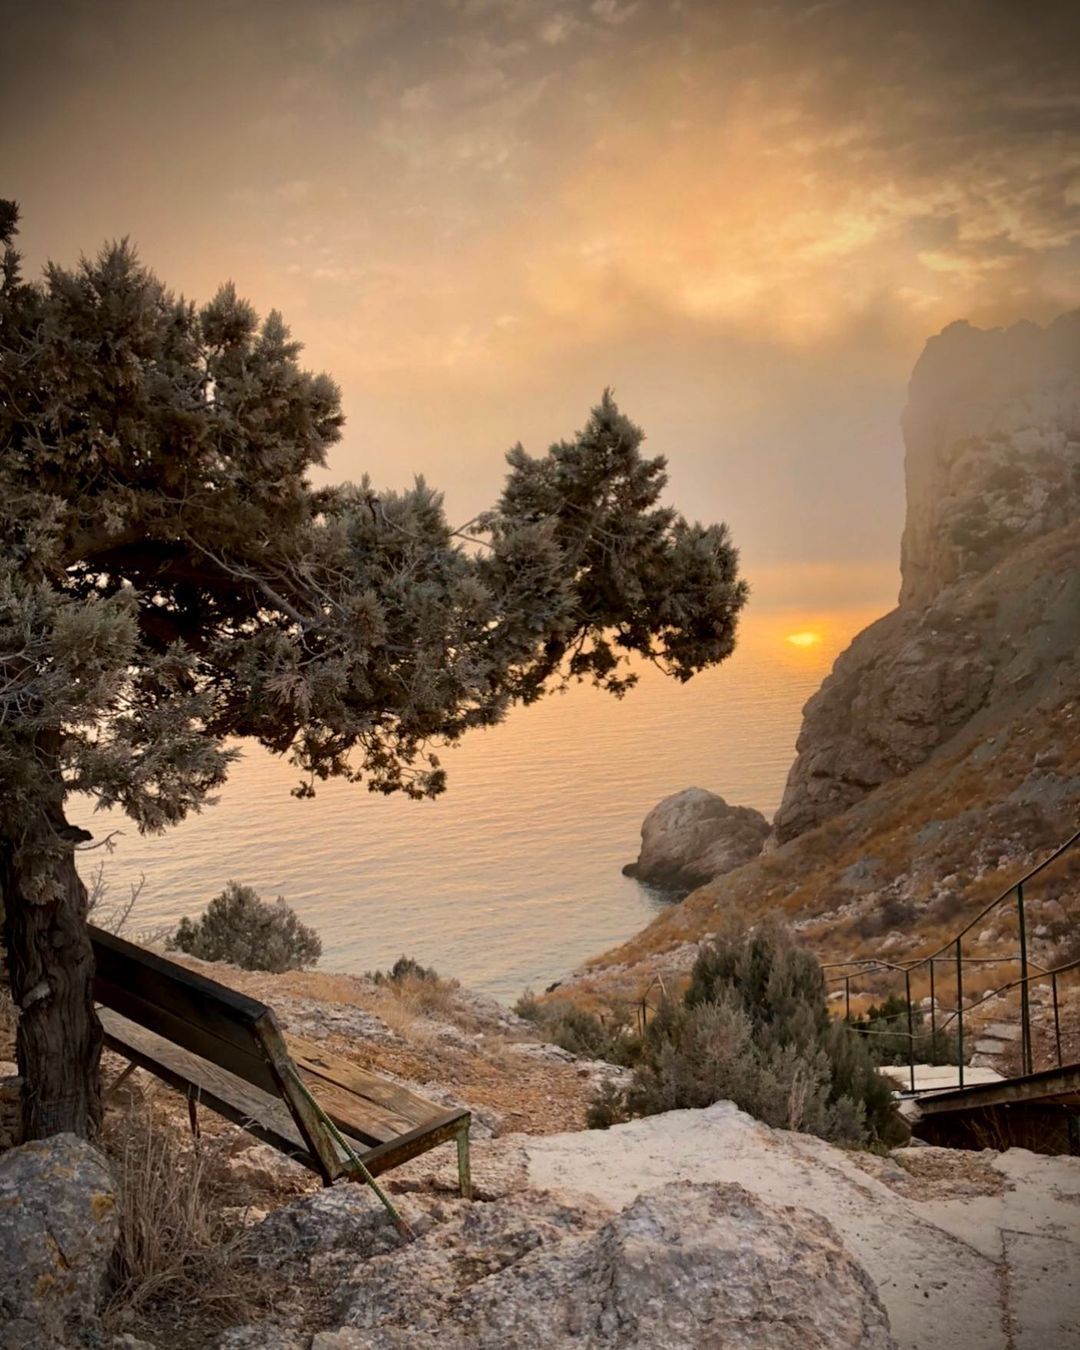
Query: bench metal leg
point(464, 1175)
point(193, 1113)
point(121, 1078)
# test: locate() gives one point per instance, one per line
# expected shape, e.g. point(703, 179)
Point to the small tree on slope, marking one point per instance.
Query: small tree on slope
point(170, 581)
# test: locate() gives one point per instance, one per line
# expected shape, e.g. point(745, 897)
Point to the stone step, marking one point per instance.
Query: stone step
point(986, 1046)
point(1004, 1031)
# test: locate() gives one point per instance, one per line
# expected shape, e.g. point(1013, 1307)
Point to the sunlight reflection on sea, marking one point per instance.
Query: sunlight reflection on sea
point(513, 877)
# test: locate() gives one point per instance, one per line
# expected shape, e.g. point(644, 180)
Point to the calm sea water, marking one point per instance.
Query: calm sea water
point(512, 878)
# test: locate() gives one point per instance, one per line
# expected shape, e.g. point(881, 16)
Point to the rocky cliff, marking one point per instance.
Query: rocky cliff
point(941, 758)
point(989, 611)
point(992, 430)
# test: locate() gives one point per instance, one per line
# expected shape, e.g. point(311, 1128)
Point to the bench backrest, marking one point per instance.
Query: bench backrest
point(206, 1018)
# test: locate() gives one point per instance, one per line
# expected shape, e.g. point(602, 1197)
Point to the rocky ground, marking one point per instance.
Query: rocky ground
point(690, 1230)
point(449, 1043)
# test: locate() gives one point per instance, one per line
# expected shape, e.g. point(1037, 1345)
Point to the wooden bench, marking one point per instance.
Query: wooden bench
point(226, 1051)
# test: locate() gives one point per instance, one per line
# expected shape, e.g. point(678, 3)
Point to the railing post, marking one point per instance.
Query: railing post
point(959, 1013)
point(1025, 1007)
point(1057, 1019)
point(910, 1029)
point(933, 1008)
point(847, 998)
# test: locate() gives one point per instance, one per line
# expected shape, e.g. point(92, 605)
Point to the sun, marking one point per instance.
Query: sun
point(807, 638)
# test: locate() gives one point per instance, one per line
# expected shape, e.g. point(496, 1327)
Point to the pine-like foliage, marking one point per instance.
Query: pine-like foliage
point(753, 1028)
point(171, 583)
point(248, 932)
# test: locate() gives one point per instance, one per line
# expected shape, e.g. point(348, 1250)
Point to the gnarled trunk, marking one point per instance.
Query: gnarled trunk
point(51, 968)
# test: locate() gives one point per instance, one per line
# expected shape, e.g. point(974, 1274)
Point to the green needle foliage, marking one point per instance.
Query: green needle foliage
point(753, 1028)
point(170, 582)
point(238, 927)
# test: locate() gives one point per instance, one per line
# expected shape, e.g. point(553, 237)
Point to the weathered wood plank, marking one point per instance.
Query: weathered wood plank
point(203, 1016)
point(122, 961)
point(359, 1118)
point(247, 1062)
point(320, 1066)
point(385, 1156)
point(205, 1039)
point(224, 1092)
point(257, 1112)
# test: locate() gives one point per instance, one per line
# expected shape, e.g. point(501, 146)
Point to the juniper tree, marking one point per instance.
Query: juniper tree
point(171, 582)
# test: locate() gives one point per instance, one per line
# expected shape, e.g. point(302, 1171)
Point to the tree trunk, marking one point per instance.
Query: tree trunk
point(51, 968)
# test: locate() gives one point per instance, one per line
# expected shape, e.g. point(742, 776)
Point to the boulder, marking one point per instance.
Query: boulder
point(58, 1229)
point(685, 1267)
point(333, 1224)
point(693, 836)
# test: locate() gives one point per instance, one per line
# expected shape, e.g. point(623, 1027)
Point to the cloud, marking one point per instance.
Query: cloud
point(479, 212)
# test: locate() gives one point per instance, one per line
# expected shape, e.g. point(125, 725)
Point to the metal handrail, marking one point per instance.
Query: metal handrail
point(874, 965)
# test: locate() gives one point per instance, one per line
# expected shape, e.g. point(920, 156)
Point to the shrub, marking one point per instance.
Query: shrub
point(248, 932)
point(414, 990)
point(610, 1038)
point(607, 1108)
point(885, 1029)
point(753, 1028)
point(585, 1034)
point(529, 1008)
point(403, 970)
point(894, 913)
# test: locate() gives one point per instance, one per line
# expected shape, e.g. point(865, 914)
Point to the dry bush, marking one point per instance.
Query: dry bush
point(946, 907)
point(180, 1261)
point(112, 917)
point(895, 913)
point(409, 991)
point(609, 1036)
point(435, 998)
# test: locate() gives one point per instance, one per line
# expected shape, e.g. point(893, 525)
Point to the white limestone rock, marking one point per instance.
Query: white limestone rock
point(685, 1267)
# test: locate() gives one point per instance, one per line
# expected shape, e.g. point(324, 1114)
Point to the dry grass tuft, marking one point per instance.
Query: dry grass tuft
point(429, 996)
point(181, 1260)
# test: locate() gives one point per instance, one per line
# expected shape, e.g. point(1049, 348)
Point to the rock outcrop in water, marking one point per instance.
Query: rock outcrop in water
point(989, 610)
point(693, 836)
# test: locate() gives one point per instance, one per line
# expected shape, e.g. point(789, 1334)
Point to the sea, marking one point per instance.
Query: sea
point(512, 877)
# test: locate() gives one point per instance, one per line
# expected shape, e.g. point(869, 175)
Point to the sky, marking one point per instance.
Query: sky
point(476, 214)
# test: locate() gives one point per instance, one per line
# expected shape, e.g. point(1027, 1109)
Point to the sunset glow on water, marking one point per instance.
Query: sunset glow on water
point(513, 877)
point(745, 220)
